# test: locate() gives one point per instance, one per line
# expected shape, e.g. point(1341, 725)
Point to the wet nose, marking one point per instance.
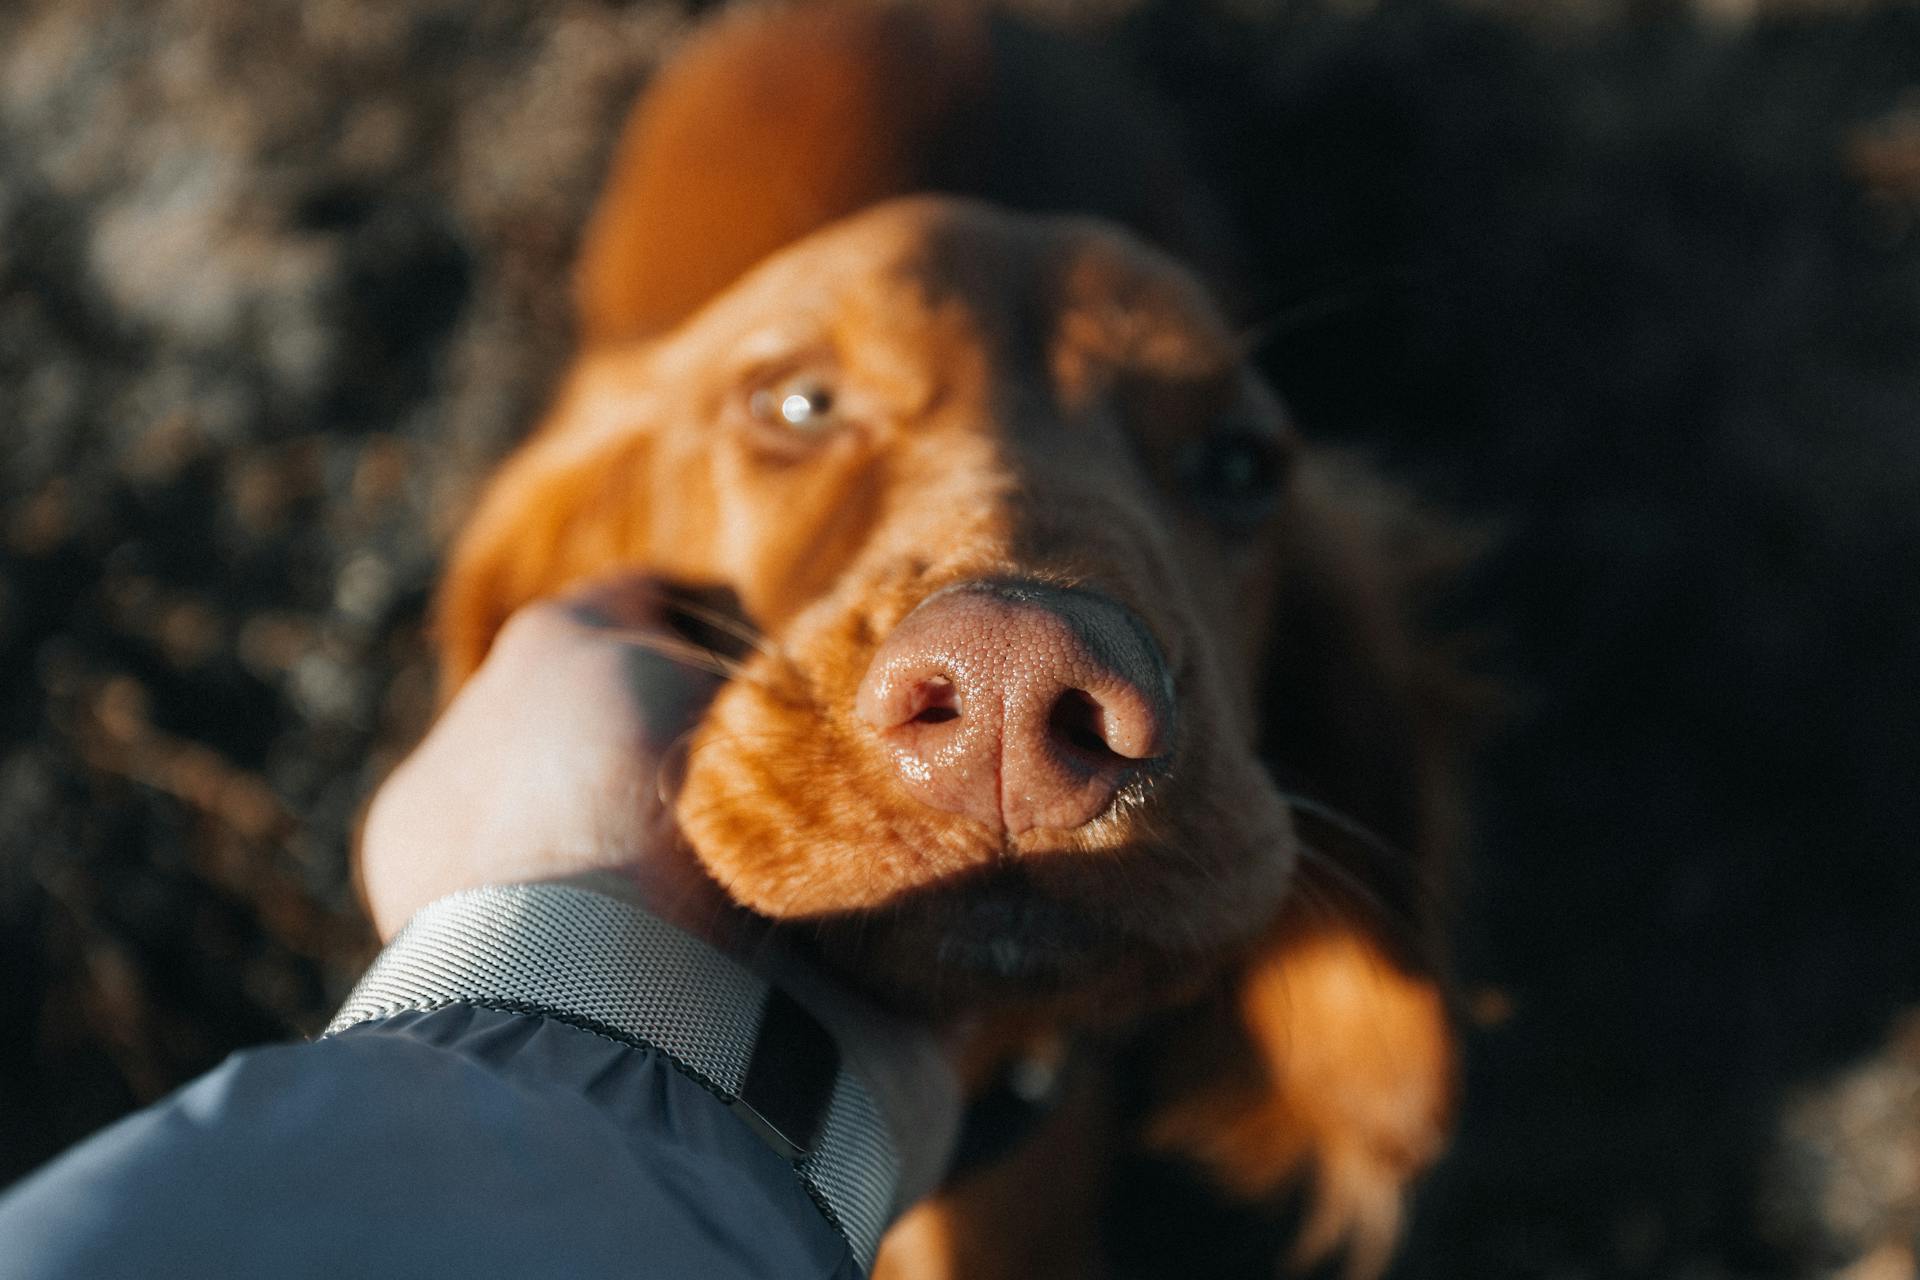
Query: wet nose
point(1021, 706)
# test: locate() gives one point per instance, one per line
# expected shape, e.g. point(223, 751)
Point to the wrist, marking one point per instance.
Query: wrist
point(906, 1067)
point(826, 1090)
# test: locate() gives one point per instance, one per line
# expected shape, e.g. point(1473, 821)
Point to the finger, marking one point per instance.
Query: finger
point(609, 638)
point(626, 600)
point(603, 615)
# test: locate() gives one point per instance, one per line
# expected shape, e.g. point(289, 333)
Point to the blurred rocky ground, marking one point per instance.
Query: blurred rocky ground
point(1637, 284)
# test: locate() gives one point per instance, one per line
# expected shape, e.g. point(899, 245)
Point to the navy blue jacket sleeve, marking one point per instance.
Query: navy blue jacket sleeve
point(458, 1140)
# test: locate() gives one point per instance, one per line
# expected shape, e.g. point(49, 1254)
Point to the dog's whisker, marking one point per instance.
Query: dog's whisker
point(1404, 922)
point(685, 652)
point(728, 625)
point(1301, 802)
point(1332, 300)
point(1347, 879)
point(1385, 853)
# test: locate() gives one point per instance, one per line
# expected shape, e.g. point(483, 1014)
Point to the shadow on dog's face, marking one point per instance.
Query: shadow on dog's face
point(1048, 421)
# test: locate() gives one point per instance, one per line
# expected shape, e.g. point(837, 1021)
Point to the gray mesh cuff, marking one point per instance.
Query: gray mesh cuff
point(587, 958)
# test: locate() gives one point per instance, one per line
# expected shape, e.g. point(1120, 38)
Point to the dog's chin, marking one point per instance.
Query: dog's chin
point(801, 822)
point(1000, 941)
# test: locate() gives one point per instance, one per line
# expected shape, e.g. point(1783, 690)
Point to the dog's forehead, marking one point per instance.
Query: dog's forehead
point(1071, 292)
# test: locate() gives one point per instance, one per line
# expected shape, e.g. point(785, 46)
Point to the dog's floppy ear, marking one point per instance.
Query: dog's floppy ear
point(539, 529)
point(1326, 1063)
point(1325, 1069)
point(771, 123)
point(778, 119)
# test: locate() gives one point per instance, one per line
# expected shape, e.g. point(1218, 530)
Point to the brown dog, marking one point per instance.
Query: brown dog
point(1045, 588)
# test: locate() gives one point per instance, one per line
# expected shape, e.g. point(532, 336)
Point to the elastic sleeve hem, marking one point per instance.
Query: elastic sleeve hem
point(604, 965)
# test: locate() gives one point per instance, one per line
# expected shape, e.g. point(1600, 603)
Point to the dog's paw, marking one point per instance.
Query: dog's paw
point(1352, 1099)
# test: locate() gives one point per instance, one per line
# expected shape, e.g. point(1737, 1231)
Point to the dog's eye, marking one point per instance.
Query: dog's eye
point(803, 404)
point(1234, 477)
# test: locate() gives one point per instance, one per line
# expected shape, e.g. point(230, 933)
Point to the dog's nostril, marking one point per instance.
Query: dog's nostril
point(1080, 722)
point(1019, 706)
point(938, 701)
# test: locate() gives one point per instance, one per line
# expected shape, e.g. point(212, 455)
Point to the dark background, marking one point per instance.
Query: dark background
point(1634, 285)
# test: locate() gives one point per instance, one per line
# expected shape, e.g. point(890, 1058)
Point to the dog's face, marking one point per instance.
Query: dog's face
point(1009, 509)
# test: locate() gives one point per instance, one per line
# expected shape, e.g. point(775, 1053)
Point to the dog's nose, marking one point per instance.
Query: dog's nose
point(1021, 706)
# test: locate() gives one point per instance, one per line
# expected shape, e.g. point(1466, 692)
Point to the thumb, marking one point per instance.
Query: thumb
point(625, 600)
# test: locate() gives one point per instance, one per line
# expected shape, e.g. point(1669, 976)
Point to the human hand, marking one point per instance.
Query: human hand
point(547, 765)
